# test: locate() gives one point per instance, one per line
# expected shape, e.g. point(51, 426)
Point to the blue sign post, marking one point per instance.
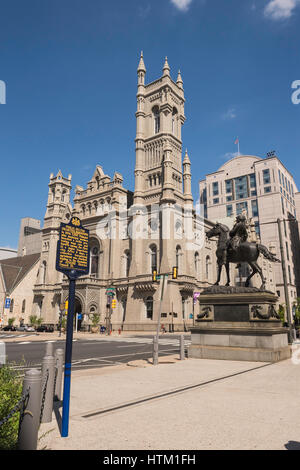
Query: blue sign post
point(72, 259)
point(7, 303)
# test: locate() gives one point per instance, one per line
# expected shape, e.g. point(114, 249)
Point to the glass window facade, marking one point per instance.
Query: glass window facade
point(215, 187)
point(266, 176)
point(228, 186)
point(252, 180)
point(241, 187)
point(254, 207)
point(229, 210)
point(257, 229)
point(241, 206)
point(216, 200)
point(267, 189)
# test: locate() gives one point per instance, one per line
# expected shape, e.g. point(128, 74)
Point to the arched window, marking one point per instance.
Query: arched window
point(83, 209)
point(183, 307)
point(94, 261)
point(95, 204)
point(11, 308)
point(178, 257)
point(127, 262)
point(174, 121)
point(207, 263)
point(124, 303)
point(156, 119)
point(149, 308)
point(153, 258)
point(44, 269)
point(196, 259)
point(23, 306)
point(63, 195)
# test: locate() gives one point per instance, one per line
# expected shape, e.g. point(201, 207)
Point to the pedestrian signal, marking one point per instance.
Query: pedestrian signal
point(174, 272)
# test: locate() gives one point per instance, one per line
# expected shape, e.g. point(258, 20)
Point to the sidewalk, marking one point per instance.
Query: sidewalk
point(257, 409)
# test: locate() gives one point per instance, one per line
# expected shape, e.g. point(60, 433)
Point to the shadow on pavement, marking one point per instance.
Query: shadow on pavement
point(56, 406)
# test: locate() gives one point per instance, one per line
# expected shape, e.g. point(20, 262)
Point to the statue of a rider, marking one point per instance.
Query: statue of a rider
point(238, 234)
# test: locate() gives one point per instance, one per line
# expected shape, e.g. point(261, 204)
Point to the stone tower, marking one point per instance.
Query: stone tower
point(58, 210)
point(159, 117)
point(162, 195)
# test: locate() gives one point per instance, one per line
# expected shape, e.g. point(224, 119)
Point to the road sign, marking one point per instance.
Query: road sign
point(7, 302)
point(110, 291)
point(72, 259)
point(79, 316)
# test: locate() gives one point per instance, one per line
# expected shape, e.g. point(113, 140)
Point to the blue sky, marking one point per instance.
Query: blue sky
point(70, 74)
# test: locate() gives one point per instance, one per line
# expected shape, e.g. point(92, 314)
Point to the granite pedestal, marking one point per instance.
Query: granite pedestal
point(239, 324)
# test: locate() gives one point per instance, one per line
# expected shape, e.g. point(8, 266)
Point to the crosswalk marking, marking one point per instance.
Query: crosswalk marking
point(169, 341)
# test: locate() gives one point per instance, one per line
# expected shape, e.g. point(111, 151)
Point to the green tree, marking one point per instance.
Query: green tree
point(95, 319)
point(11, 321)
point(39, 321)
point(281, 311)
point(33, 320)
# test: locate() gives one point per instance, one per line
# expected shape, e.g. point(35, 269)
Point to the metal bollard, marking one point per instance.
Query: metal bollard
point(49, 349)
point(48, 374)
point(182, 348)
point(155, 350)
point(2, 353)
point(59, 359)
point(30, 421)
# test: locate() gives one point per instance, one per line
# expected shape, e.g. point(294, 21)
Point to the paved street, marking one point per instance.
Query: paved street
point(91, 352)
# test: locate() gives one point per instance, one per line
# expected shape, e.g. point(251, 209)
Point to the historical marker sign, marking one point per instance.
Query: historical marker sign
point(72, 259)
point(73, 248)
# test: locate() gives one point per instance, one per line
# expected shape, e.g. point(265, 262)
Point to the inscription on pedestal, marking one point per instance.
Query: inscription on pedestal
point(231, 313)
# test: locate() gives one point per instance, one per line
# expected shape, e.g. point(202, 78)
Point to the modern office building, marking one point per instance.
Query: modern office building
point(266, 191)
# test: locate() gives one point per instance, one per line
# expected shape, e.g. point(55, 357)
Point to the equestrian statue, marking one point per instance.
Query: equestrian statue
point(233, 247)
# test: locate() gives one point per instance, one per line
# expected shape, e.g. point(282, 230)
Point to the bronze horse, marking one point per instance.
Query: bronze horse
point(245, 252)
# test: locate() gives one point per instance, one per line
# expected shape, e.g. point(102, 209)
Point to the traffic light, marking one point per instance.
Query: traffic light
point(113, 303)
point(154, 275)
point(174, 272)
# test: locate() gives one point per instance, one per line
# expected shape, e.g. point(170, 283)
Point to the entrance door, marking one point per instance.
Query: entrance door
point(78, 310)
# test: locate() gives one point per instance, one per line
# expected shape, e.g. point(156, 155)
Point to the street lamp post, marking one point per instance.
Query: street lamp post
point(286, 290)
point(292, 333)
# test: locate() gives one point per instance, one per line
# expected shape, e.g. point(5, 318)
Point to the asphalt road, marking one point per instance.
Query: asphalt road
point(93, 353)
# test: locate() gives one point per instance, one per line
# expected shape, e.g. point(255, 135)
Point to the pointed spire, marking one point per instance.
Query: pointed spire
point(186, 158)
point(179, 80)
point(166, 69)
point(141, 66)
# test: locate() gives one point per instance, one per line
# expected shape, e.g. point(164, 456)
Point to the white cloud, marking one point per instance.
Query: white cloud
point(229, 155)
point(182, 5)
point(280, 9)
point(230, 114)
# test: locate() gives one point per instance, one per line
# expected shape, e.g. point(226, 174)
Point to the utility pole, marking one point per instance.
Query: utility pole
point(156, 338)
point(286, 290)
